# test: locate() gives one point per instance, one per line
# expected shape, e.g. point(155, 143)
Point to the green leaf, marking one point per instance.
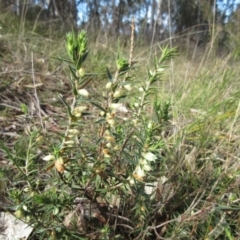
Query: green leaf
point(70, 78)
point(81, 59)
point(100, 140)
point(86, 113)
point(102, 120)
point(110, 78)
point(62, 59)
point(123, 71)
point(116, 100)
point(67, 106)
point(228, 233)
point(73, 71)
point(167, 53)
point(98, 106)
point(84, 82)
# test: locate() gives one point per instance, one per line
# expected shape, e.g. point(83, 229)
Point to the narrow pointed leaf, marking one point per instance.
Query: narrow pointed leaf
point(81, 59)
point(73, 71)
point(65, 103)
point(98, 106)
point(110, 78)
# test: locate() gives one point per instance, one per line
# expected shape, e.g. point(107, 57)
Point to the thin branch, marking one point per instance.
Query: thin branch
point(126, 226)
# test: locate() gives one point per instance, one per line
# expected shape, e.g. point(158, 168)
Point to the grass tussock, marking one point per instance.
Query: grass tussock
point(103, 144)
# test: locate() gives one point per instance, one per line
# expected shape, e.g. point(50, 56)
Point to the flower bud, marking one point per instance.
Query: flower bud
point(28, 219)
point(78, 115)
point(145, 165)
point(159, 70)
point(136, 104)
point(108, 85)
point(111, 121)
point(115, 106)
point(117, 94)
point(81, 72)
point(109, 145)
point(79, 110)
point(150, 125)
point(69, 142)
point(149, 156)
point(83, 92)
point(109, 138)
point(128, 87)
point(25, 208)
point(73, 131)
point(71, 136)
point(48, 158)
point(102, 113)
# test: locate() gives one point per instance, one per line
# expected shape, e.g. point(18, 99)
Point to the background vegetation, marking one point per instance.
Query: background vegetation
point(195, 181)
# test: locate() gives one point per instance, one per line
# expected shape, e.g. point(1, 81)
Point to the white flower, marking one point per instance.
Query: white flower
point(136, 104)
point(108, 115)
point(118, 107)
point(108, 85)
point(123, 109)
point(117, 94)
point(128, 87)
point(150, 125)
point(139, 173)
point(78, 115)
point(109, 145)
point(111, 121)
point(115, 106)
point(102, 113)
point(48, 158)
point(83, 92)
point(149, 156)
point(79, 110)
point(71, 136)
point(131, 180)
point(145, 165)
point(73, 131)
point(69, 142)
point(159, 70)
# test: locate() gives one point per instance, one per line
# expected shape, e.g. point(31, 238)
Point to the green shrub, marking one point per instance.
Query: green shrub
point(96, 179)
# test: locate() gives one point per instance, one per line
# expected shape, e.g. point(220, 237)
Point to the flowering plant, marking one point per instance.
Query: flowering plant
point(100, 171)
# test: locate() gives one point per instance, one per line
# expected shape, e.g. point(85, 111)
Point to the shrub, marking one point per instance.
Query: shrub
point(101, 179)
